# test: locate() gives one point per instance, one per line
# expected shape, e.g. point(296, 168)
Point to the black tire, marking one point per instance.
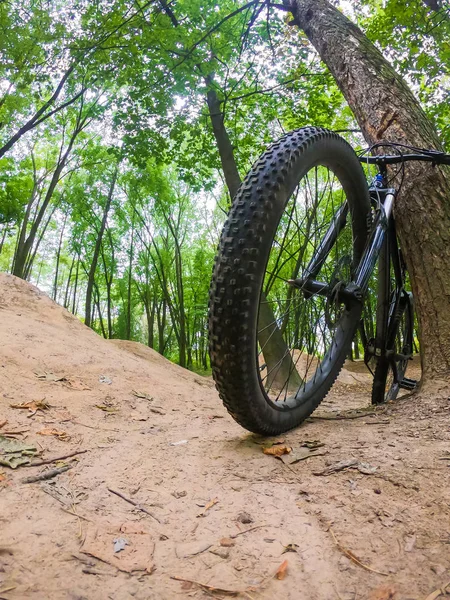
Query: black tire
point(384, 388)
point(240, 271)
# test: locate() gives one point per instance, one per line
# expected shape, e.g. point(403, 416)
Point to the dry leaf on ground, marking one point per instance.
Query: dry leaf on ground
point(142, 395)
point(277, 450)
point(105, 408)
point(32, 406)
point(383, 593)
point(61, 435)
point(2, 476)
point(281, 571)
point(47, 376)
point(76, 384)
point(14, 453)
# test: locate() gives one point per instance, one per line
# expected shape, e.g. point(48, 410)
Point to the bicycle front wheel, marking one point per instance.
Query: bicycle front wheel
point(276, 347)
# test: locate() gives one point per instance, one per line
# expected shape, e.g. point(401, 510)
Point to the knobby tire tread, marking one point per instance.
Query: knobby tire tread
point(240, 265)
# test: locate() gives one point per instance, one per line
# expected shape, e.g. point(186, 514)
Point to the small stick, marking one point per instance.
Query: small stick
point(210, 588)
point(135, 504)
point(353, 558)
point(91, 571)
point(47, 475)
point(235, 535)
point(440, 592)
point(48, 461)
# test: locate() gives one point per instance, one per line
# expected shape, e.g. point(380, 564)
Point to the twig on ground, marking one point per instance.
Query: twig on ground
point(349, 415)
point(439, 592)
point(47, 474)
point(229, 592)
point(75, 514)
point(48, 461)
point(96, 428)
point(211, 588)
point(135, 504)
point(91, 571)
point(235, 535)
point(352, 557)
point(210, 504)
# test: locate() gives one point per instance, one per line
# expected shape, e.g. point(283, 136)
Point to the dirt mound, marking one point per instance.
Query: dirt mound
point(167, 490)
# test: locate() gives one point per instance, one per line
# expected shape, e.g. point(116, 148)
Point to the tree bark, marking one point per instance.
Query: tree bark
point(386, 110)
point(229, 167)
point(93, 267)
point(58, 257)
point(130, 280)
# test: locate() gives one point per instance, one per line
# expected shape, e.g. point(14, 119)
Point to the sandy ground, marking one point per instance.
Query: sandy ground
point(219, 511)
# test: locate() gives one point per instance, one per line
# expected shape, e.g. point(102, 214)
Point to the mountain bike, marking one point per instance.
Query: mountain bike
point(308, 244)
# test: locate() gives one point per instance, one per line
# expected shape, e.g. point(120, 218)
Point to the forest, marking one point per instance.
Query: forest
point(126, 127)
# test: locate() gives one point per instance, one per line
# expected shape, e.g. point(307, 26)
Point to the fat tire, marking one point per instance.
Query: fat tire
point(240, 266)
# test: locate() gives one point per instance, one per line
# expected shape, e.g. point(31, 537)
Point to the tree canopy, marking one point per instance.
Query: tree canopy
point(112, 192)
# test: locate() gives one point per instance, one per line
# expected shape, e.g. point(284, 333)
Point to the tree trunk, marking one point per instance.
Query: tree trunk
point(58, 257)
point(69, 279)
point(386, 110)
point(229, 167)
point(75, 287)
point(93, 267)
point(130, 280)
point(24, 249)
point(271, 339)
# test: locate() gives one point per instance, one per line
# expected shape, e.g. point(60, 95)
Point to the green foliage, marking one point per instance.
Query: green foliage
point(122, 85)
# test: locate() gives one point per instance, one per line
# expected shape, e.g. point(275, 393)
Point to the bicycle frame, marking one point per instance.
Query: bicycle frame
point(381, 246)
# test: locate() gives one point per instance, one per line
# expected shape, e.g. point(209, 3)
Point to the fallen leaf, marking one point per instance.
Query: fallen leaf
point(61, 435)
point(210, 504)
point(14, 453)
point(281, 571)
point(2, 476)
point(186, 585)
point(32, 406)
point(365, 468)
point(227, 542)
point(277, 450)
point(75, 384)
point(383, 593)
point(142, 395)
point(48, 376)
point(105, 408)
point(311, 444)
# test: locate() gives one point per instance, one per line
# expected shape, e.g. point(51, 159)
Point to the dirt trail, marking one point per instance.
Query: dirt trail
point(176, 451)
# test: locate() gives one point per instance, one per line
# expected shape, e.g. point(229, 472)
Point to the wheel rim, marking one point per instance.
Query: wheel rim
point(312, 329)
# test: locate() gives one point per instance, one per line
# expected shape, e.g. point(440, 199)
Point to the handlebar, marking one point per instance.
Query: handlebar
point(438, 158)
